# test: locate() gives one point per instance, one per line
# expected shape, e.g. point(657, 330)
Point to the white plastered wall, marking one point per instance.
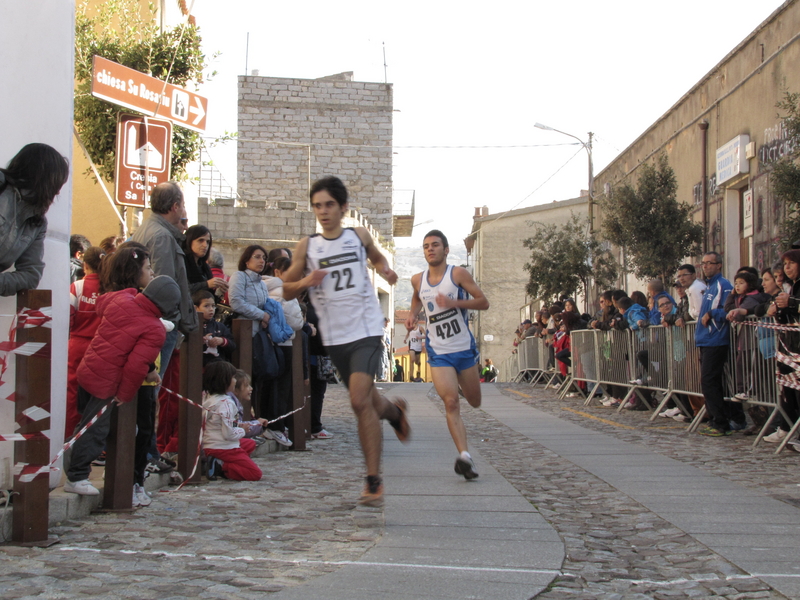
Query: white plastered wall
point(36, 106)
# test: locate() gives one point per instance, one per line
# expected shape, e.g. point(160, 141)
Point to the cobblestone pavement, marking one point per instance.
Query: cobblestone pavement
point(615, 547)
point(240, 540)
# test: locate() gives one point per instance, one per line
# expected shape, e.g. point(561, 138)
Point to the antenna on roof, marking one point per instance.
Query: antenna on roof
point(385, 78)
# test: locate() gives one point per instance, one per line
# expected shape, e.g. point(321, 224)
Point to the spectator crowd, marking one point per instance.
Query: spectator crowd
point(708, 304)
point(133, 301)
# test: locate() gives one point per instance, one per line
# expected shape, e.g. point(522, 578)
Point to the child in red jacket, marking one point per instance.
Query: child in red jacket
point(83, 323)
point(122, 354)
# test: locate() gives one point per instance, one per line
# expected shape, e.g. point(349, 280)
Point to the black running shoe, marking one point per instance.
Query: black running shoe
point(466, 468)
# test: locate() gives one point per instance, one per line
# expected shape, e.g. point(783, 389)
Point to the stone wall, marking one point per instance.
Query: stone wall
point(294, 131)
point(737, 97)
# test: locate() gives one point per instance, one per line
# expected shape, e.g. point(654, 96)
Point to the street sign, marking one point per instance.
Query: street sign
point(133, 89)
point(144, 152)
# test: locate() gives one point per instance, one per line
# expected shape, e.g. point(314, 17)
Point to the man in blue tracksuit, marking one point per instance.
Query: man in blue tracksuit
point(712, 337)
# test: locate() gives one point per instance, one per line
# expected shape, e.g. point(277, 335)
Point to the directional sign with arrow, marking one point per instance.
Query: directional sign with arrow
point(133, 89)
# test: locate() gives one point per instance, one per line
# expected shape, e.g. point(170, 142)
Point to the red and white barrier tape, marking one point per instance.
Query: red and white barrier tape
point(24, 319)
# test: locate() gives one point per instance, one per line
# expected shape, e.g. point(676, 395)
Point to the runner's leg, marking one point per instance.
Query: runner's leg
point(470, 382)
point(361, 388)
point(445, 380)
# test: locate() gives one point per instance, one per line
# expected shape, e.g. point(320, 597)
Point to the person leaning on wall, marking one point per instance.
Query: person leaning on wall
point(28, 186)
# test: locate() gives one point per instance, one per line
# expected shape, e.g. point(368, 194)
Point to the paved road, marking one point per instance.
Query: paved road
point(571, 503)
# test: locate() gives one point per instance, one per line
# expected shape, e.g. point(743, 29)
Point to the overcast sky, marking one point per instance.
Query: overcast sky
point(481, 74)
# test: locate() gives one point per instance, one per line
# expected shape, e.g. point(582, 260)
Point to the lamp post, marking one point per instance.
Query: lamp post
point(588, 147)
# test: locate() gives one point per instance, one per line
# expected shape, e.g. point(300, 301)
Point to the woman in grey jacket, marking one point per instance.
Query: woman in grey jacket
point(28, 186)
point(246, 290)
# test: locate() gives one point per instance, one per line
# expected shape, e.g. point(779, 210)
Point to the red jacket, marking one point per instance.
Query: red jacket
point(83, 296)
point(127, 342)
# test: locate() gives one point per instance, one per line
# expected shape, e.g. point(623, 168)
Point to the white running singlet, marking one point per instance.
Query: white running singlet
point(345, 302)
point(448, 328)
point(415, 340)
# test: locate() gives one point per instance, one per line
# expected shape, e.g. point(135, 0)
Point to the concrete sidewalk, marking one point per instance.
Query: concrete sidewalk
point(444, 537)
point(753, 531)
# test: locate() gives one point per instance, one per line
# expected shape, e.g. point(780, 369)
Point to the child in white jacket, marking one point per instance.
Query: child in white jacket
point(227, 450)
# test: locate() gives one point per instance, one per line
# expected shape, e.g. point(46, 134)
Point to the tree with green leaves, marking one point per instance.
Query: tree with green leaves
point(118, 31)
point(647, 221)
point(565, 259)
point(785, 174)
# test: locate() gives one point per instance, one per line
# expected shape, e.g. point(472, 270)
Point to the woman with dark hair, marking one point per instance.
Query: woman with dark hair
point(196, 249)
point(28, 186)
point(639, 298)
point(787, 310)
point(247, 291)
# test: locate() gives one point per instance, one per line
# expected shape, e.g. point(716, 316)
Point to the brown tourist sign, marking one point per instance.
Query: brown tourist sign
point(133, 89)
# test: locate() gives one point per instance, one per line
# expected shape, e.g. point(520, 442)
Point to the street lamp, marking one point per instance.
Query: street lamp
point(588, 147)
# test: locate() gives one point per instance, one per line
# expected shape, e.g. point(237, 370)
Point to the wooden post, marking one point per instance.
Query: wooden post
point(243, 355)
point(190, 418)
point(300, 420)
point(118, 485)
point(32, 391)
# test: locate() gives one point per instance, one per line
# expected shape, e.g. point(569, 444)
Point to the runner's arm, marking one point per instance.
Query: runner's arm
point(461, 277)
point(416, 304)
point(294, 283)
point(376, 257)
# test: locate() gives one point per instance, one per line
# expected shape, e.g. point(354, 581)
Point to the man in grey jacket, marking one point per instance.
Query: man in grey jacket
point(163, 238)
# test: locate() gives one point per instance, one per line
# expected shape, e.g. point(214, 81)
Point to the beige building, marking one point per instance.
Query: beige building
point(721, 137)
point(498, 260)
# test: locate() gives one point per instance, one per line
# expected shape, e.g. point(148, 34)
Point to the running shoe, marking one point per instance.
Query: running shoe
point(322, 435)
point(401, 427)
point(372, 495)
point(140, 496)
point(100, 461)
point(82, 488)
point(776, 436)
point(710, 431)
point(466, 467)
point(280, 437)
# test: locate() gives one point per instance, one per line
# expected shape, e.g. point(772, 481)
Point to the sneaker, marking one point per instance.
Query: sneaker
point(159, 466)
point(260, 441)
point(742, 397)
point(714, 432)
point(140, 496)
point(280, 437)
point(636, 382)
point(322, 435)
point(175, 478)
point(82, 488)
point(670, 412)
point(681, 418)
point(213, 469)
point(466, 467)
point(630, 404)
point(614, 404)
point(572, 395)
point(737, 426)
point(794, 445)
point(776, 436)
point(100, 461)
point(401, 427)
point(608, 401)
point(171, 459)
point(372, 495)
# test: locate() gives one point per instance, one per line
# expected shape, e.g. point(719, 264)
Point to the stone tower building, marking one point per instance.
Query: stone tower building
point(294, 131)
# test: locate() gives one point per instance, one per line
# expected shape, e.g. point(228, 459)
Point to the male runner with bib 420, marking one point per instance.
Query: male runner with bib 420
point(350, 318)
point(442, 291)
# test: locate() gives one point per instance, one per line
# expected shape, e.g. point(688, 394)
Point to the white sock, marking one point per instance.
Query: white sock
point(465, 455)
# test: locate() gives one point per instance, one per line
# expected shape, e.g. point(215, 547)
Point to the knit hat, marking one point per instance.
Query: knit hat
point(166, 295)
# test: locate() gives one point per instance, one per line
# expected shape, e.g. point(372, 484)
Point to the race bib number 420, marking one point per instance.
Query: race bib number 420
point(446, 324)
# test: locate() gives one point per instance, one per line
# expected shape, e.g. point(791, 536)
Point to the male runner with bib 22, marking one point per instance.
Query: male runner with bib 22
point(442, 291)
point(350, 318)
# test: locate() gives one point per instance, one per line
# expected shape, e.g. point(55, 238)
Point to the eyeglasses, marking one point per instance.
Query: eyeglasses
point(709, 263)
point(663, 305)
